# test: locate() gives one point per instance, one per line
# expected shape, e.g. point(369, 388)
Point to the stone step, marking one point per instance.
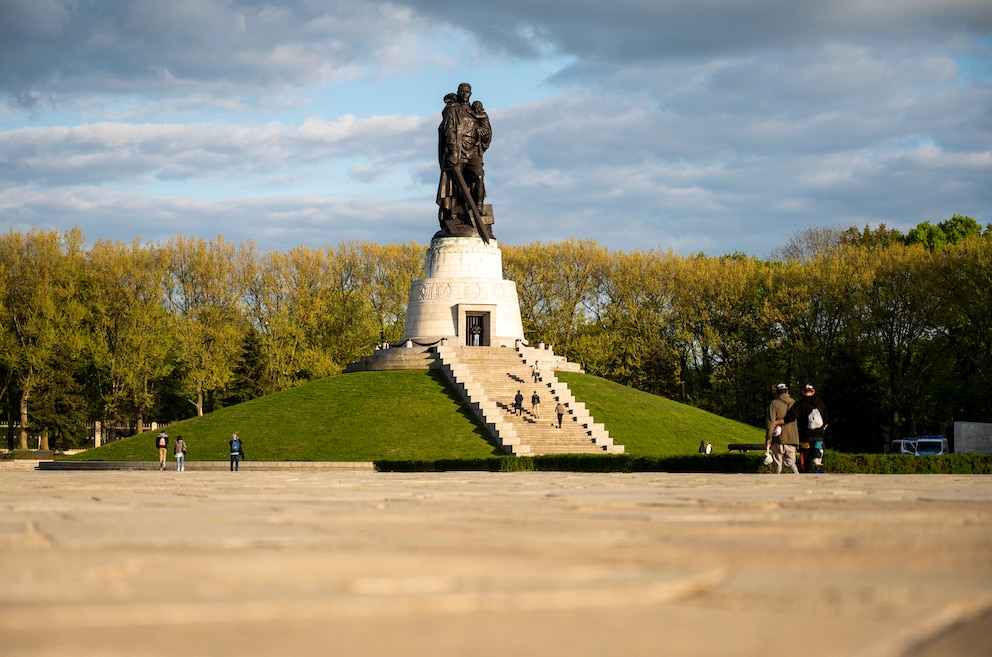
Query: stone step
point(489, 378)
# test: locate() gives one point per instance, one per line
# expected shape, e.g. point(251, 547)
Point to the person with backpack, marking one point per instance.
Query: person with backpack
point(237, 451)
point(162, 442)
point(781, 440)
point(810, 416)
point(180, 452)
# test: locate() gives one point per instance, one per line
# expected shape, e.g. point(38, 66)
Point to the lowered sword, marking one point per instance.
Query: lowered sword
point(473, 210)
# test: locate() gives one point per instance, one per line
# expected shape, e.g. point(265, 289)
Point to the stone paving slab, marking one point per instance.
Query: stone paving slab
point(323, 562)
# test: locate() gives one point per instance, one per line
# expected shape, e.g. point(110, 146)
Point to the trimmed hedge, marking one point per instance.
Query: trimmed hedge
point(699, 463)
point(717, 463)
point(908, 464)
point(494, 464)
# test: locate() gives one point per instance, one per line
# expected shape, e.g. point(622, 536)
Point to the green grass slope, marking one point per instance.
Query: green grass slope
point(361, 416)
point(649, 425)
point(415, 415)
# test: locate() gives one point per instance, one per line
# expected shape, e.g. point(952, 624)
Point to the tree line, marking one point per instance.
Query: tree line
point(895, 330)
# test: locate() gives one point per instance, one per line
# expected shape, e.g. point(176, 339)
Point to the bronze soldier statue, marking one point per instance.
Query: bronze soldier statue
point(463, 136)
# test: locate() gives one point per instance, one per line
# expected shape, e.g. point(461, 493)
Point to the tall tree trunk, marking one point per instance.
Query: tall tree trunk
point(24, 419)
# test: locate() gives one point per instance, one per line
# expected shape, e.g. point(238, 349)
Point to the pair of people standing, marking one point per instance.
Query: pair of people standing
point(535, 404)
point(795, 430)
point(178, 450)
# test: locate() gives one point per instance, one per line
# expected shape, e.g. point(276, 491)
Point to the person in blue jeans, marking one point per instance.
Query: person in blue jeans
point(237, 451)
point(180, 452)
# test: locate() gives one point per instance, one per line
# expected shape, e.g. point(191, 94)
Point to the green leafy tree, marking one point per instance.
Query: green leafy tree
point(719, 309)
point(349, 327)
point(286, 300)
point(42, 315)
point(59, 409)
point(951, 231)
point(203, 296)
point(878, 238)
point(815, 308)
point(628, 316)
point(556, 283)
point(963, 291)
point(901, 310)
point(131, 339)
point(388, 272)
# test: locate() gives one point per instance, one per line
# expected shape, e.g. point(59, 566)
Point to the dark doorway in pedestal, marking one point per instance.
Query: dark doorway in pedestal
point(475, 330)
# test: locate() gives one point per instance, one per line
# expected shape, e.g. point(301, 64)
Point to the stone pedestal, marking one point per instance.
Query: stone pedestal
point(463, 288)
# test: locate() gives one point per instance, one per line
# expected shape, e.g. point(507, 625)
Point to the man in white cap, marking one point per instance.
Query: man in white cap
point(809, 415)
point(781, 439)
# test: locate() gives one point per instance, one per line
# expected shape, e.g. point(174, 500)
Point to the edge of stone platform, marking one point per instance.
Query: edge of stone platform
point(396, 358)
point(194, 466)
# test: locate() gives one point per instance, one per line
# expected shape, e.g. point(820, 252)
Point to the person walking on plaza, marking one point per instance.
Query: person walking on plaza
point(560, 410)
point(180, 452)
point(237, 451)
point(810, 416)
point(781, 439)
point(535, 404)
point(162, 442)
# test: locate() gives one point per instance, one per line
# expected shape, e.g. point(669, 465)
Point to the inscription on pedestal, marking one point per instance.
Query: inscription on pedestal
point(471, 290)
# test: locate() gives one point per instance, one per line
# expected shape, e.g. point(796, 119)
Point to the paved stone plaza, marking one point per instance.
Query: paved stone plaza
point(324, 563)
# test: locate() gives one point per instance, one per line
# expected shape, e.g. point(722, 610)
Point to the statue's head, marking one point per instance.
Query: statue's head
point(464, 92)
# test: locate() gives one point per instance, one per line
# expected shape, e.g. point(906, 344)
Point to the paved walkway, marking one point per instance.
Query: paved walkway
point(306, 562)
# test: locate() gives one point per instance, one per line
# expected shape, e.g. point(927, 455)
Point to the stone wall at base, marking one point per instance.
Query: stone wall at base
point(395, 358)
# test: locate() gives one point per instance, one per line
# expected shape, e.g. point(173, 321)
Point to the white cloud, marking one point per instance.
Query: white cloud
point(707, 125)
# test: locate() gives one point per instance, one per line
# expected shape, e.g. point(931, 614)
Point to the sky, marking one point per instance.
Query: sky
point(700, 126)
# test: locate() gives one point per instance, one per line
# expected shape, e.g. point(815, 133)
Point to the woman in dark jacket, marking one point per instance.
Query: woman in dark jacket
point(811, 429)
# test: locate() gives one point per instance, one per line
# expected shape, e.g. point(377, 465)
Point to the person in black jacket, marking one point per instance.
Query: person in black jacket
point(811, 428)
point(237, 451)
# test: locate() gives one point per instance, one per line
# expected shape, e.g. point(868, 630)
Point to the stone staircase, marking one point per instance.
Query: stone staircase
point(488, 378)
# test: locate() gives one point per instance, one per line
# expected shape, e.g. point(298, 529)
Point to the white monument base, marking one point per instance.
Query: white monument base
point(463, 297)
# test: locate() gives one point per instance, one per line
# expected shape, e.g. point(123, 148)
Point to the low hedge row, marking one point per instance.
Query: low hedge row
point(722, 463)
point(734, 463)
point(908, 464)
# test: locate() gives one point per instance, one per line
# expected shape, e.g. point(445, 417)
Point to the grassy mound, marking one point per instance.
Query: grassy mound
point(416, 416)
point(351, 417)
point(649, 425)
